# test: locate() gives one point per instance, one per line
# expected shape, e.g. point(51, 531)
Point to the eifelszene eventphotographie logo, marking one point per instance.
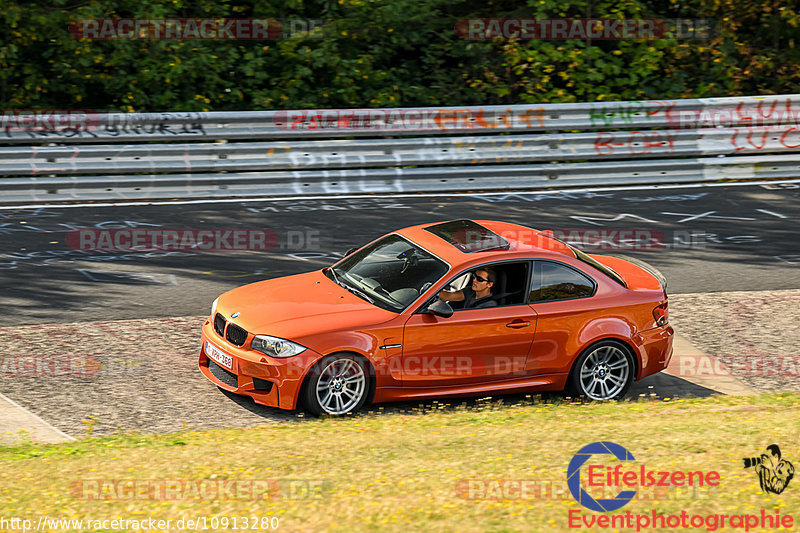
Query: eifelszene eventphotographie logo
point(604, 477)
point(774, 472)
point(574, 477)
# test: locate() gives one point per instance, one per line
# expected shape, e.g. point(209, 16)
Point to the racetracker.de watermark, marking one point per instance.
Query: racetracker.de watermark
point(611, 239)
point(191, 29)
point(416, 367)
point(197, 489)
point(779, 121)
point(589, 239)
point(532, 489)
point(422, 119)
point(128, 239)
point(753, 365)
point(49, 366)
point(47, 120)
point(596, 29)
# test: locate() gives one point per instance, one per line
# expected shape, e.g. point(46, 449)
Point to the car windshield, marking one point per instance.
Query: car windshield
point(391, 273)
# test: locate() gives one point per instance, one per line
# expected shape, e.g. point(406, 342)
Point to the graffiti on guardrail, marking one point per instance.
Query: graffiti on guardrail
point(495, 151)
point(470, 151)
point(155, 124)
point(722, 126)
point(767, 138)
point(634, 142)
point(39, 124)
point(620, 113)
point(698, 114)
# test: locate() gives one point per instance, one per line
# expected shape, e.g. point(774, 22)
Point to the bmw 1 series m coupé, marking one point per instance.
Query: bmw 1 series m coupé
point(459, 308)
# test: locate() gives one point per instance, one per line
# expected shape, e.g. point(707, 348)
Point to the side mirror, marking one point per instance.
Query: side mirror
point(350, 251)
point(440, 308)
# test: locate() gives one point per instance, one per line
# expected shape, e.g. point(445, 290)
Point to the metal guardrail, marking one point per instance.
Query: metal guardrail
point(58, 158)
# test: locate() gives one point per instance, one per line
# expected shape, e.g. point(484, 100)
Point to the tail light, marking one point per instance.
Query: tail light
point(661, 314)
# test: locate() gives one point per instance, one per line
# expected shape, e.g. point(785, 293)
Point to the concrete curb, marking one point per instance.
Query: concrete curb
point(693, 365)
point(15, 419)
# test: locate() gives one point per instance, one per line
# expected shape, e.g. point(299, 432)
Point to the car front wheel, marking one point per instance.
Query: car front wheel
point(603, 372)
point(337, 385)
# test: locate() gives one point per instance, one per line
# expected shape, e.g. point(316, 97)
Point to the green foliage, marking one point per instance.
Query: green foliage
point(386, 53)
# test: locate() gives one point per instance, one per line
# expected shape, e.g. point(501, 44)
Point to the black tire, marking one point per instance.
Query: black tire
point(321, 395)
point(603, 372)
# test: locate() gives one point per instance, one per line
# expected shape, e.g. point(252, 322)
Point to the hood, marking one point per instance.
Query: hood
point(293, 307)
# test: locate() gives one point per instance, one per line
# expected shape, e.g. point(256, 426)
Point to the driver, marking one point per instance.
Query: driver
point(479, 294)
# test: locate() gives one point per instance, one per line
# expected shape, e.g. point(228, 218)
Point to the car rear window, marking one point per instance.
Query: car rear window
point(591, 262)
point(555, 281)
point(468, 236)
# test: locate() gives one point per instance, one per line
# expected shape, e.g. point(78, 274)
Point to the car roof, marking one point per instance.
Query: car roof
point(521, 240)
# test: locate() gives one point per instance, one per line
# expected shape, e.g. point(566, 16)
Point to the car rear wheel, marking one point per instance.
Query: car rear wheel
point(603, 372)
point(337, 385)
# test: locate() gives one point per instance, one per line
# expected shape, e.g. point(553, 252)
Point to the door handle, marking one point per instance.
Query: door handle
point(518, 324)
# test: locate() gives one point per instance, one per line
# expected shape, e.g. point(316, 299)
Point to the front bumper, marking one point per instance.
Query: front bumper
point(267, 380)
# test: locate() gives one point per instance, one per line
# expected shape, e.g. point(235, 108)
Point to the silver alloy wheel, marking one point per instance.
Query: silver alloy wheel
point(341, 386)
point(604, 373)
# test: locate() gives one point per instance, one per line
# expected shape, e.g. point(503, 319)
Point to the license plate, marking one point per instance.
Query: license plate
point(219, 356)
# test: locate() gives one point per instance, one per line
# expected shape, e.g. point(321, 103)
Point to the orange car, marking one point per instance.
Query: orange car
point(459, 308)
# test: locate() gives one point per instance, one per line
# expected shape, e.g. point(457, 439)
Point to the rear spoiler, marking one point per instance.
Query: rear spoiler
point(662, 279)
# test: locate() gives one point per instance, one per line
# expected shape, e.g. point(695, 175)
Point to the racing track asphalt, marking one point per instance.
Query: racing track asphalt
point(117, 307)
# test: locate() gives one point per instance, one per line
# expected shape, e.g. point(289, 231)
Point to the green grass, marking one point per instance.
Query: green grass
point(401, 471)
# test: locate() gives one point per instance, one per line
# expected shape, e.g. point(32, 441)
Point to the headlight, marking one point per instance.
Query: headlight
point(214, 308)
point(275, 347)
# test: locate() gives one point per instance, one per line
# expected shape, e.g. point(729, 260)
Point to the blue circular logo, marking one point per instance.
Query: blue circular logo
point(574, 476)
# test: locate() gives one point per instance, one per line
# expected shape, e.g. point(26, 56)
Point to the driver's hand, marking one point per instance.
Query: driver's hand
point(451, 296)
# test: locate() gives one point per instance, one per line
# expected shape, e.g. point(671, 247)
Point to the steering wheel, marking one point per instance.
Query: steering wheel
point(409, 258)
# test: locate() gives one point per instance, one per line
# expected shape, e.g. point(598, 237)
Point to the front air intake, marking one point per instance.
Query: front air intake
point(223, 374)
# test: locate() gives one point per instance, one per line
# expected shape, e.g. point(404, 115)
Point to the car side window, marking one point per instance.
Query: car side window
point(556, 281)
point(509, 288)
